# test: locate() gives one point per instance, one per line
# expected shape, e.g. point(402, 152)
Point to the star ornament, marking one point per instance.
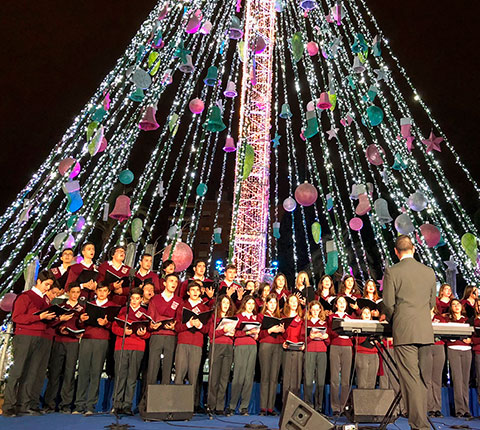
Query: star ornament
point(332, 133)
point(276, 140)
point(382, 75)
point(433, 143)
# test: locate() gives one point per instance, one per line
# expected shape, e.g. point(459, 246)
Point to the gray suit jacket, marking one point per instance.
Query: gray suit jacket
point(408, 295)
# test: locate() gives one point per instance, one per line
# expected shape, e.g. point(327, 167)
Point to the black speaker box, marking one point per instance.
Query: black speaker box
point(297, 415)
point(369, 406)
point(168, 403)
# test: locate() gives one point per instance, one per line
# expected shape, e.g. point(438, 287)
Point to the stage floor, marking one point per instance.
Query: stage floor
point(99, 421)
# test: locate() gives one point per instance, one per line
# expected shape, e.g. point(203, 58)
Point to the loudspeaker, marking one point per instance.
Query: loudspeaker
point(369, 406)
point(297, 415)
point(168, 403)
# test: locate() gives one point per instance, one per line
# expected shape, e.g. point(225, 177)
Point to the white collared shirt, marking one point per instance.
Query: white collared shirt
point(101, 302)
point(167, 299)
point(141, 274)
point(115, 267)
point(406, 256)
point(38, 292)
point(85, 264)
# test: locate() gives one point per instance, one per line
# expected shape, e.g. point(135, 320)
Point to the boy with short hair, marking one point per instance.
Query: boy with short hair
point(88, 288)
point(91, 355)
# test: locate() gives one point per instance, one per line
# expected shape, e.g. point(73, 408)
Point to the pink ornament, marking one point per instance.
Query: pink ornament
point(196, 106)
point(306, 194)
point(194, 22)
point(66, 164)
point(103, 145)
point(356, 224)
point(182, 256)
point(289, 204)
point(324, 101)
point(312, 48)
point(363, 206)
point(310, 106)
point(431, 234)
point(260, 45)
point(375, 154)
point(6, 304)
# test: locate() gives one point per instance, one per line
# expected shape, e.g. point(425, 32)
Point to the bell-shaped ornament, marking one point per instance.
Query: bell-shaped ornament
point(285, 113)
point(381, 209)
point(214, 122)
point(312, 125)
point(324, 101)
point(137, 95)
point(121, 211)
point(231, 90)
point(308, 4)
point(193, 24)
point(149, 122)
point(188, 66)
point(235, 31)
point(212, 76)
point(229, 145)
point(358, 67)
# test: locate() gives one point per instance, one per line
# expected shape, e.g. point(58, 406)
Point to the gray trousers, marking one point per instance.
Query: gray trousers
point(477, 374)
point(187, 363)
point(315, 370)
point(127, 367)
point(220, 366)
point(91, 358)
point(432, 370)
point(340, 368)
point(292, 373)
point(22, 384)
point(409, 359)
point(366, 368)
point(270, 358)
point(460, 363)
point(160, 344)
point(63, 361)
point(244, 357)
point(388, 382)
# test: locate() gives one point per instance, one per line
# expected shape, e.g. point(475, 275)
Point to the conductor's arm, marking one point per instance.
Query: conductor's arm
point(388, 295)
point(433, 290)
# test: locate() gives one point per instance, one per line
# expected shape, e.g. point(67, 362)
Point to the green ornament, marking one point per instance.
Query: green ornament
point(248, 161)
point(316, 232)
point(469, 244)
point(297, 46)
point(72, 221)
point(202, 189)
point(136, 228)
point(152, 58)
point(91, 129)
point(172, 122)
point(333, 101)
point(375, 115)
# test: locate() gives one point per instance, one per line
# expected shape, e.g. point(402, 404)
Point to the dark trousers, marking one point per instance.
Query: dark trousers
point(220, 366)
point(432, 371)
point(477, 374)
point(244, 358)
point(366, 368)
point(292, 373)
point(127, 367)
point(389, 382)
point(340, 369)
point(270, 357)
point(21, 390)
point(315, 370)
point(460, 362)
point(63, 361)
point(161, 345)
point(91, 358)
point(187, 363)
point(409, 359)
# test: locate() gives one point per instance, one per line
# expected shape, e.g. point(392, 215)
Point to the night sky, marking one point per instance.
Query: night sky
point(56, 53)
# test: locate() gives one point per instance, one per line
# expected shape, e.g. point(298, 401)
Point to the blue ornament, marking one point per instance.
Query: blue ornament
point(202, 189)
point(375, 115)
point(126, 177)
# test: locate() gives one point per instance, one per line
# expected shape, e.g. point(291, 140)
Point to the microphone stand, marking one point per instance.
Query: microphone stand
point(216, 283)
point(116, 425)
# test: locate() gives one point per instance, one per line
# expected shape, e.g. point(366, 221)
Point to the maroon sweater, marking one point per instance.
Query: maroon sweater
point(154, 277)
point(293, 333)
point(316, 345)
point(73, 323)
point(94, 332)
point(182, 288)
point(463, 320)
point(119, 299)
point(476, 338)
point(133, 342)
point(265, 337)
point(190, 336)
point(335, 338)
point(74, 272)
point(158, 308)
point(25, 305)
point(220, 336)
point(241, 337)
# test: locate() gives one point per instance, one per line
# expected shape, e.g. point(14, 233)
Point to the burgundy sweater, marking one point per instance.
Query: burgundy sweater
point(74, 272)
point(241, 337)
point(25, 305)
point(316, 345)
point(158, 308)
point(220, 337)
point(133, 342)
point(124, 270)
point(94, 332)
point(335, 338)
point(190, 336)
point(265, 337)
point(154, 277)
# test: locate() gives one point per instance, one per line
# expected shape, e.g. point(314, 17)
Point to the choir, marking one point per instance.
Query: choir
point(163, 330)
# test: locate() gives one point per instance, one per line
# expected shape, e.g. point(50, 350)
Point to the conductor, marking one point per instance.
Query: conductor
point(408, 296)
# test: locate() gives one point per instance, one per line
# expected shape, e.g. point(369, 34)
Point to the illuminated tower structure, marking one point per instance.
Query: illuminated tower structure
point(251, 206)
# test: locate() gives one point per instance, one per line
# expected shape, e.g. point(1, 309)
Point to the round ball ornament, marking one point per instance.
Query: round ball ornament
point(196, 106)
point(375, 115)
point(201, 189)
point(417, 201)
point(126, 177)
point(141, 79)
point(6, 304)
point(431, 234)
point(404, 225)
point(375, 154)
point(182, 256)
point(356, 224)
point(63, 240)
point(306, 194)
point(289, 204)
point(312, 48)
